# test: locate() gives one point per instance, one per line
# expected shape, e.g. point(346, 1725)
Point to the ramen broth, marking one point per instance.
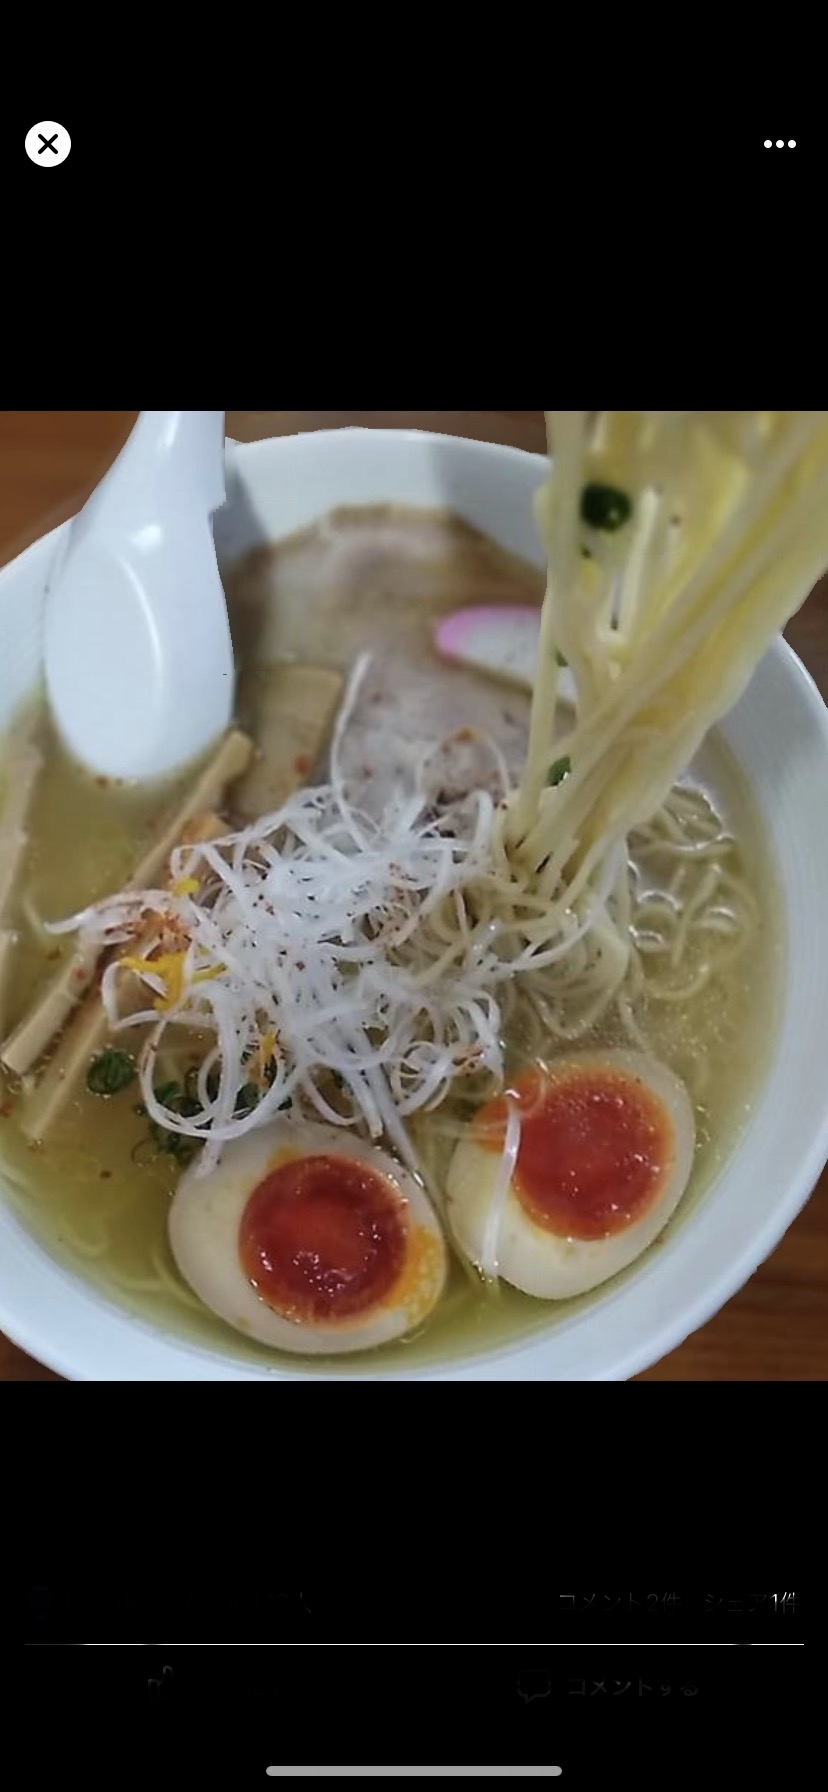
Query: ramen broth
point(376, 580)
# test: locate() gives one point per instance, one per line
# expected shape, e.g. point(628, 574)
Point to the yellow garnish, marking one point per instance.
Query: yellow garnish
point(185, 886)
point(257, 1068)
point(170, 968)
point(138, 964)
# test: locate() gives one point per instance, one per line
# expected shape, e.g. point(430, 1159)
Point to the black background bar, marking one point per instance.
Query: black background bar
point(62, 1610)
point(222, 1715)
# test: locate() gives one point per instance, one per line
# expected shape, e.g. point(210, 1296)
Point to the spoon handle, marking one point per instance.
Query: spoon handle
point(177, 455)
point(194, 441)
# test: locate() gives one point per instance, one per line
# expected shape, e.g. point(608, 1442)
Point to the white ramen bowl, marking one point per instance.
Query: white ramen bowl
point(779, 734)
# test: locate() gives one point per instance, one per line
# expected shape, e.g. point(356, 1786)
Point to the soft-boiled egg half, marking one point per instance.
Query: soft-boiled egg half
point(598, 1164)
point(309, 1240)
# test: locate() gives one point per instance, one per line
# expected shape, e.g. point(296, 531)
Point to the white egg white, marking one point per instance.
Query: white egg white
point(544, 1263)
point(207, 1211)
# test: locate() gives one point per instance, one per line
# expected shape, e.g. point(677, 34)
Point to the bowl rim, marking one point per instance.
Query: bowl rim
point(525, 1358)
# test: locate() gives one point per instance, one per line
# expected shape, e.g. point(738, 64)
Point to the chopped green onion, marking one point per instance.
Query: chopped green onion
point(184, 1101)
point(173, 1143)
point(167, 1093)
point(559, 771)
point(560, 658)
point(110, 1072)
point(605, 507)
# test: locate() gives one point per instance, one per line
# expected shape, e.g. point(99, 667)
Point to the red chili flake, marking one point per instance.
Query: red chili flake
point(105, 1175)
point(302, 763)
point(6, 1109)
point(51, 955)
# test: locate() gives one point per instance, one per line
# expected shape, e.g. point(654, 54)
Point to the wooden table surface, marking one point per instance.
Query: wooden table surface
point(776, 1328)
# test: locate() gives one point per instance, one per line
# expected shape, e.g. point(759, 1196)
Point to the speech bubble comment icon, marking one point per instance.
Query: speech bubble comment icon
point(533, 1683)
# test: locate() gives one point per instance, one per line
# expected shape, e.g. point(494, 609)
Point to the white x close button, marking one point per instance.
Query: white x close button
point(48, 144)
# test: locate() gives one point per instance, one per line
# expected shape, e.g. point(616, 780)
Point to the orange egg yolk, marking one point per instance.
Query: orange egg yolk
point(596, 1147)
point(323, 1238)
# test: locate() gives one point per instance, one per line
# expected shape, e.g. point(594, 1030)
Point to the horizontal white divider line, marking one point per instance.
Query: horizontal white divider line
point(413, 1772)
